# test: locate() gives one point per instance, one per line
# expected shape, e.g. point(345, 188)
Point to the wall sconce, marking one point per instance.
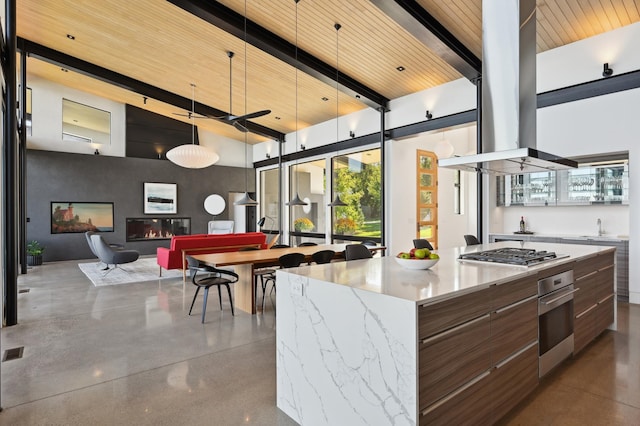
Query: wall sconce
point(352, 133)
point(303, 147)
point(429, 115)
point(268, 155)
point(607, 72)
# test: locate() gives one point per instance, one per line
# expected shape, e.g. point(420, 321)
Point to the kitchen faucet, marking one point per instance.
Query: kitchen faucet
point(599, 223)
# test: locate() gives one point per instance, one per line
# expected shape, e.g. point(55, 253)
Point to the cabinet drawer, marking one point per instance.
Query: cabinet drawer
point(584, 328)
point(449, 360)
point(514, 291)
point(512, 328)
point(590, 264)
point(585, 297)
point(513, 380)
point(604, 284)
point(433, 319)
point(604, 315)
point(470, 405)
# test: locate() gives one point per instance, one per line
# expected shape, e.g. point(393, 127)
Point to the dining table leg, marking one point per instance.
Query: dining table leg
point(244, 290)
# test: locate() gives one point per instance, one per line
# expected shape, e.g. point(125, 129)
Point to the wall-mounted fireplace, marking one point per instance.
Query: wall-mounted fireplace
point(157, 228)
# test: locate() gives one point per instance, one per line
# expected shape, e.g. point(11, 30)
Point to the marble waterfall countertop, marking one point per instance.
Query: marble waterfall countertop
point(383, 275)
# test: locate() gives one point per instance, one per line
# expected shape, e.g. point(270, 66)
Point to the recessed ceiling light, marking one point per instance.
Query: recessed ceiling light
point(324, 98)
point(277, 118)
point(71, 37)
point(64, 70)
point(400, 68)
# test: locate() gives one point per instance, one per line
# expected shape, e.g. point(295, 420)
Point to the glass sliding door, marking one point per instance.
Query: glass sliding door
point(308, 180)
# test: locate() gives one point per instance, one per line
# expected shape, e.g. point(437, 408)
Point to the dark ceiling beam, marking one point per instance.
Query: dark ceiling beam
point(63, 60)
point(234, 23)
point(428, 30)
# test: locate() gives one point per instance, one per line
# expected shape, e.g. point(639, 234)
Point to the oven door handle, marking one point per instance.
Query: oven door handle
point(555, 299)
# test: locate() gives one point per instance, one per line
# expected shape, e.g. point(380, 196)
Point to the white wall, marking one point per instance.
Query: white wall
point(401, 191)
point(46, 132)
point(47, 126)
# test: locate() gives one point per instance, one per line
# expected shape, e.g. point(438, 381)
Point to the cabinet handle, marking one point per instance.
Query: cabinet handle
point(581, 314)
point(517, 354)
point(454, 329)
point(456, 393)
point(587, 276)
point(606, 298)
point(605, 268)
point(506, 308)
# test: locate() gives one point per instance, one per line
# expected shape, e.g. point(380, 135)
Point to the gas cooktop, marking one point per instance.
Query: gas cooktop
point(512, 256)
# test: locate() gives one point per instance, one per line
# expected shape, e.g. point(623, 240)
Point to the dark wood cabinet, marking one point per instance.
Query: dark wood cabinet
point(594, 301)
point(484, 365)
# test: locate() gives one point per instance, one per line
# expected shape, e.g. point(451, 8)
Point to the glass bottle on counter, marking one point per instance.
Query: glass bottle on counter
point(522, 224)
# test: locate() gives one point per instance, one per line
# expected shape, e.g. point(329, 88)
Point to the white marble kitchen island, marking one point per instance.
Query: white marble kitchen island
point(347, 332)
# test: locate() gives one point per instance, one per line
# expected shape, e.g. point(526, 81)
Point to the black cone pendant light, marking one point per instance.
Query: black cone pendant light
point(246, 199)
point(296, 201)
point(337, 202)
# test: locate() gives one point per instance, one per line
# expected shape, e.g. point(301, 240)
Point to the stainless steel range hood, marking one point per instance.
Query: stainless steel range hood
point(509, 94)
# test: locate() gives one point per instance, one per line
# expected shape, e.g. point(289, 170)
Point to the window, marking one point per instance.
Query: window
point(269, 181)
point(308, 181)
point(427, 196)
point(357, 180)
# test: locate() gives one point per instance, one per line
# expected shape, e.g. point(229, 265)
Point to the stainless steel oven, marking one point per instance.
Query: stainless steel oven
point(555, 320)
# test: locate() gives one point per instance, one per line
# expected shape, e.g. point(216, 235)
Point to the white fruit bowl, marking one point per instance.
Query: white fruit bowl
point(416, 263)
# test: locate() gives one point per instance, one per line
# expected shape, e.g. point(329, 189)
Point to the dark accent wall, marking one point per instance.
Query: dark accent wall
point(151, 135)
point(56, 176)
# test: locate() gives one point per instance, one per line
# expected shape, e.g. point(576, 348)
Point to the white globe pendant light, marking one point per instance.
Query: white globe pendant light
point(192, 156)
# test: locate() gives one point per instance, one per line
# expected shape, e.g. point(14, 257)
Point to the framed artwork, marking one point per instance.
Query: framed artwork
point(74, 217)
point(160, 198)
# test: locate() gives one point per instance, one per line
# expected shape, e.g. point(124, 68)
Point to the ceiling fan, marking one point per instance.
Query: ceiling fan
point(238, 121)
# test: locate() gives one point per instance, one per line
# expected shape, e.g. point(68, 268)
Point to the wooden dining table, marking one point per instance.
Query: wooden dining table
point(244, 263)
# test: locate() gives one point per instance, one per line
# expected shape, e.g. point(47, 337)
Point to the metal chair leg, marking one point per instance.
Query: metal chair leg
point(194, 299)
point(204, 304)
point(230, 299)
point(219, 296)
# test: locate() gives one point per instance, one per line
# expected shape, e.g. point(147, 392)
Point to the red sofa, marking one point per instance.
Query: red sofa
point(175, 257)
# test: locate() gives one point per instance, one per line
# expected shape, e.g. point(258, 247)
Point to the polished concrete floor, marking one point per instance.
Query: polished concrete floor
point(130, 355)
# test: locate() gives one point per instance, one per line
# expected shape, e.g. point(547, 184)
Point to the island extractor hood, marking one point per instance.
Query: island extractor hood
point(509, 94)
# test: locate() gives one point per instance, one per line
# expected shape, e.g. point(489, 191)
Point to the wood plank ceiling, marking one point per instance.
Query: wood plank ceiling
point(163, 45)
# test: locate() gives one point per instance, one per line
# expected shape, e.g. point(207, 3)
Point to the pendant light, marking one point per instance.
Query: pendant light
point(192, 156)
point(296, 200)
point(246, 199)
point(337, 202)
point(443, 148)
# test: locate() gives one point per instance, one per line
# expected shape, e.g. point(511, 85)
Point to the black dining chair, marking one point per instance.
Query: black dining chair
point(307, 244)
point(289, 260)
point(422, 243)
point(280, 246)
point(357, 251)
point(471, 240)
point(213, 276)
point(323, 256)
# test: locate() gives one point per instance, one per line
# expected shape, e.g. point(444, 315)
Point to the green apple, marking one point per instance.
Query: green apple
point(404, 256)
point(433, 256)
point(421, 253)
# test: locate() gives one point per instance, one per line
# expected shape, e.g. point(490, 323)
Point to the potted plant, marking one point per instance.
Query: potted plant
point(34, 253)
point(302, 224)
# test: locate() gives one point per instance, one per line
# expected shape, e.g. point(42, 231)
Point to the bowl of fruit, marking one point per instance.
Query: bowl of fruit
point(417, 259)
